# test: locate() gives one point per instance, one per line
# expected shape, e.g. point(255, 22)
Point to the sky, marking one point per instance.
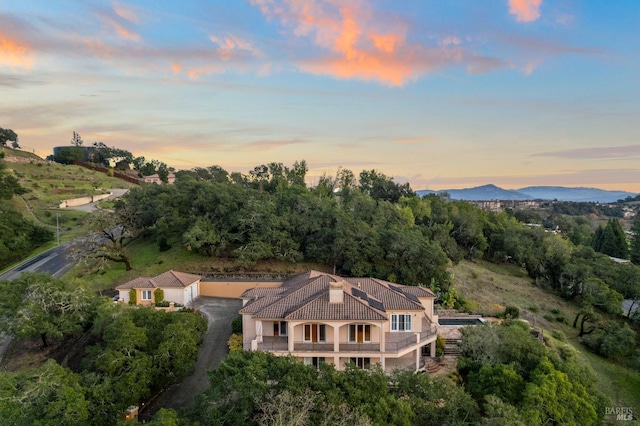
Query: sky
point(440, 94)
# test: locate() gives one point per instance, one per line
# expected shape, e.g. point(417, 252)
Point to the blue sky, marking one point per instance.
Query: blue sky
point(438, 93)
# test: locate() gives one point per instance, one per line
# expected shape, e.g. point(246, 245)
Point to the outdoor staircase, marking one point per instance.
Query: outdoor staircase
point(431, 366)
point(451, 347)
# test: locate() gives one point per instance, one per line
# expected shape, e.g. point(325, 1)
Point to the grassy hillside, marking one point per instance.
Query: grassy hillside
point(50, 183)
point(148, 260)
point(490, 287)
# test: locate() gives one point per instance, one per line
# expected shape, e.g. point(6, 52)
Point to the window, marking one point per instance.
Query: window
point(279, 328)
point(364, 363)
point(359, 333)
point(146, 294)
point(314, 333)
point(400, 322)
point(315, 361)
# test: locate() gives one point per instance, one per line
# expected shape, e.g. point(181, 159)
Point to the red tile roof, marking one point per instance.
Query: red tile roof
point(305, 296)
point(169, 279)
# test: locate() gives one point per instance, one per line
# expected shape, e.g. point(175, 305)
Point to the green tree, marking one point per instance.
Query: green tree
point(48, 395)
point(381, 187)
point(635, 240)
point(552, 397)
point(112, 233)
point(37, 305)
point(611, 240)
point(7, 135)
point(9, 184)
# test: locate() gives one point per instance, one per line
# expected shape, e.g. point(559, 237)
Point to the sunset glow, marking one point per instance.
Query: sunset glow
point(440, 94)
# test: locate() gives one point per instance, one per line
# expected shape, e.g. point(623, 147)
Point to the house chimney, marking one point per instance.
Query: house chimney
point(336, 292)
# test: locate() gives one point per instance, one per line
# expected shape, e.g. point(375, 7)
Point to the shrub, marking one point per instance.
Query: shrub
point(555, 311)
point(562, 319)
point(559, 335)
point(236, 325)
point(440, 342)
point(235, 342)
point(133, 298)
point(494, 310)
point(534, 308)
point(549, 317)
point(512, 312)
point(158, 295)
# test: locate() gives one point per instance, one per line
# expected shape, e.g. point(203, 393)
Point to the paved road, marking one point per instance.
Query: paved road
point(55, 261)
point(220, 313)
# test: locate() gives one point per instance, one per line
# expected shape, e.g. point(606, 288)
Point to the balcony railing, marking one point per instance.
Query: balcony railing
point(313, 347)
point(394, 342)
point(359, 347)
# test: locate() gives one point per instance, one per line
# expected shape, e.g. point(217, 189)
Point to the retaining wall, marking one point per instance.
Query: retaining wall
point(232, 289)
point(73, 202)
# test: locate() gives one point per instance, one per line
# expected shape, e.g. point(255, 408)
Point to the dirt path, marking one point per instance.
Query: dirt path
point(220, 313)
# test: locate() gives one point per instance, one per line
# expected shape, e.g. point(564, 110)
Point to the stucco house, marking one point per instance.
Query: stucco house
point(171, 178)
point(178, 287)
point(319, 317)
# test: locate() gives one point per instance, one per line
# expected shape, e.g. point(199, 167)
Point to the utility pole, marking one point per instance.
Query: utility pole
point(58, 228)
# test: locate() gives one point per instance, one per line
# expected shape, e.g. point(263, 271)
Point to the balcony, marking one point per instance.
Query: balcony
point(397, 341)
point(394, 342)
point(312, 347)
point(359, 347)
point(273, 344)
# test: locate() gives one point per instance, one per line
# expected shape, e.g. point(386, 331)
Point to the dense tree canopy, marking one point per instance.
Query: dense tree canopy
point(258, 388)
point(504, 367)
point(611, 240)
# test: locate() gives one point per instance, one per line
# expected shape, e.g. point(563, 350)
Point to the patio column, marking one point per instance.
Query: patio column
point(433, 349)
point(417, 359)
point(336, 337)
point(291, 333)
point(259, 331)
point(382, 337)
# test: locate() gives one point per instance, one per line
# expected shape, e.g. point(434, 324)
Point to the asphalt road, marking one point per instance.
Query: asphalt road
point(55, 261)
point(220, 313)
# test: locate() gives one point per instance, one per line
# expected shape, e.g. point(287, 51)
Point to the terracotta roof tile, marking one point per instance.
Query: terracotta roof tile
point(261, 292)
point(165, 280)
point(175, 279)
point(351, 309)
point(140, 282)
point(306, 296)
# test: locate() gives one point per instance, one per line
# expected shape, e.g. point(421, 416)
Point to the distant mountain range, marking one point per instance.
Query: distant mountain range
point(560, 193)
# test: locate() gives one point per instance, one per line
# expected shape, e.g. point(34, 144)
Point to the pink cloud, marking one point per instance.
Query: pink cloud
point(15, 53)
point(525, 10)
point(355, 44)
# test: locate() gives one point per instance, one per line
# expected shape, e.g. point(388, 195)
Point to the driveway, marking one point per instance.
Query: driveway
point(220, 313)
point(115, 193)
